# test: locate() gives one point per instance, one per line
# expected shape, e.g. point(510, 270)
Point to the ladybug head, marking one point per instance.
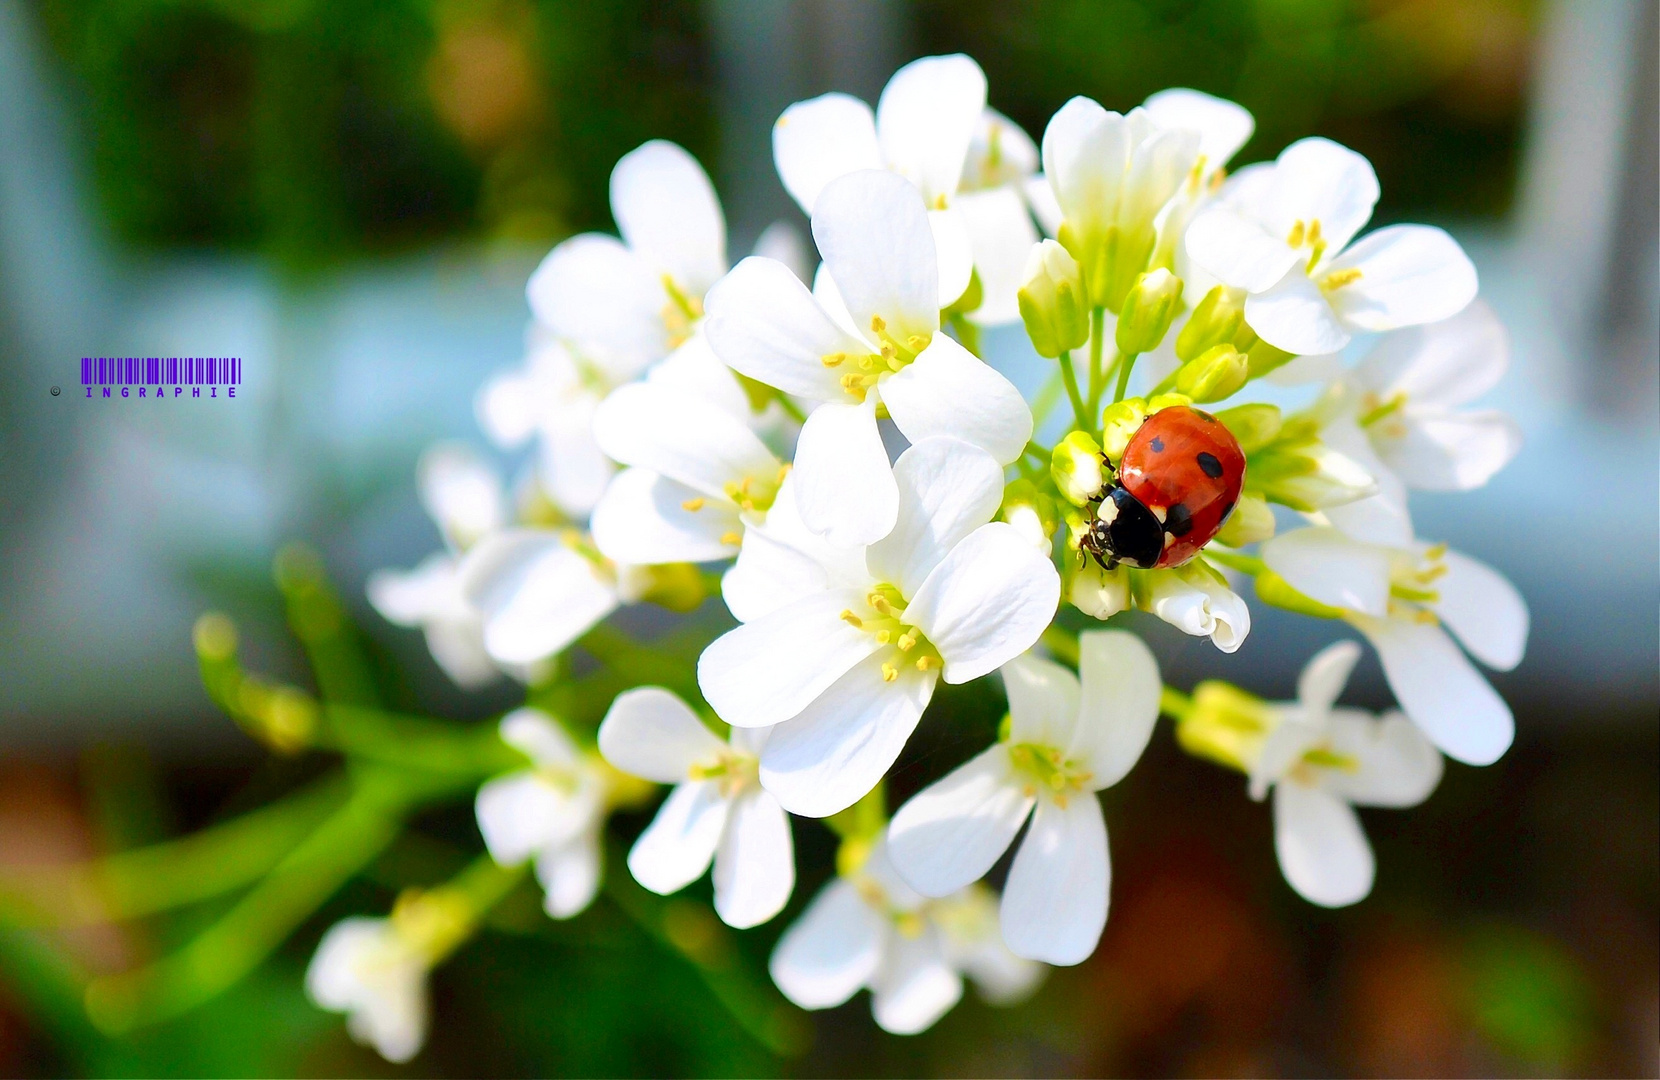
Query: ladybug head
point(1124, 531)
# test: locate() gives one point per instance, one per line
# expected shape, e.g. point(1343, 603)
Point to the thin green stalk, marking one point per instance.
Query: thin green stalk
point(1125, 364)
point(188, 870)
point(1173, 703)
point(1079, 414)
point(1097, 347)
point(966, 332)
point(1245, 564)
point(415, 742)
point(1043, 454)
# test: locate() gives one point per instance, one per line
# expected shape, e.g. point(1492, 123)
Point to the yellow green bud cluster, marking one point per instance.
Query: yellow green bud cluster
point(1219, 320)
point(1052, 301)
point(1288, 463)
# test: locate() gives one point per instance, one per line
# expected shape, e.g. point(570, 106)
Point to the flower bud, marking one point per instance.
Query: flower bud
point(1031, 511)
point(676, 586)
point(1226, 725)
point(1214, 322)
point(1097, 592)
point(1216, 373)
point(1052, 301)
point(1255, 425)
point(1119, 421)
point(1310, 476)
point(1252, 520)
point(1077, 468)
point(1149, 308)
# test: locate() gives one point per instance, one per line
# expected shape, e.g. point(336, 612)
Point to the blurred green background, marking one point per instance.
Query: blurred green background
point(1514, 926)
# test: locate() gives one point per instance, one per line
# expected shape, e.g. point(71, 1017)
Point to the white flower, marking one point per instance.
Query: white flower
point(1197, 600)
point(1068, 738)
point(849, 658)
point(464, 496)
point(538, 590)
point(552, 812)
point(717, 810)
point(869, 929)
point(1111, 175)
point(1399, 597)
point(932, 127)
point(1282, 234)
point(374, 974)
point(699, 472)
point(1407, 395)
point(1321, 762)
point(880, 346)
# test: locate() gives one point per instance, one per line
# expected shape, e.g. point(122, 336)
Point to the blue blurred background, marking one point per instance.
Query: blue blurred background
point(350, 196)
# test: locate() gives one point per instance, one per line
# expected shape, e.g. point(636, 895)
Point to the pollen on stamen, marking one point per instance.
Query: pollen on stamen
point(731, 539)
point(877, 325)
point(889, 672)
point(1298, 231)
point(851, 619)
point(1339, 278)
point(916, 343)
point(906, 642)
point(833, 359)
point(692, 505)
point(923, 663)
point(882, 636)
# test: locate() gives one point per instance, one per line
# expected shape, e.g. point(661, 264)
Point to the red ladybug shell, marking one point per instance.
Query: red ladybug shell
point(1186, 467)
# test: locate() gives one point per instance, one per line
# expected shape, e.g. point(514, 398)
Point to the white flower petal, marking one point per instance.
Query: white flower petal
point(1319, 180)
point(458, 648)
point(573, 470)
point(987, 602)
point(1237, 249)
point(872, 229)
point(915, 985)
point(954, 249)
point(520, 813)
point(535, 594)
point(1409, 274)
point(430, 591)
point(363, 968)
point(1043, 701)
point(649, 732)
point(539, 737)
point(1447, 363)
point(755, 863)
point(1322, 849)
point(676, 847)
point(844, 486)
point(819, 140)
point(1486, 612)
point(783, 242)
point(831, 951)
point(948, 391)
point(461, 492)
point(947, 489)
point(841, 745)
point(701, 446)
point(768, 671)
point(763, 323)
point(1000, 155)
point(1440, 690)
point(1283, 748)
point(1397, 765)
point(1041, 197)
point(1199, 605)
point(1085, 152)
point(595, 292)
point(1328, 566)
point(1118, 705)
point(667, 211)
point(642, 519)
point(1001, 235)
point(1296, 316)
point(506, 408)
point(951, 832)
point(1449, 451)
point(782, 560)
point(1055, 902)
point(1324, 677)
point(570, 876)
point(926, 118)
point(1159, 162)
point(1223, 127)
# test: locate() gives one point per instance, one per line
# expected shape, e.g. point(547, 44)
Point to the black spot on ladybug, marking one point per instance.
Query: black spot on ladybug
point(1178, 520)
point(1207, 462)
point(1157, 445)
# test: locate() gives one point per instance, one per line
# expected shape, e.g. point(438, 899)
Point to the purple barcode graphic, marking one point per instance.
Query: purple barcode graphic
point(161, 370)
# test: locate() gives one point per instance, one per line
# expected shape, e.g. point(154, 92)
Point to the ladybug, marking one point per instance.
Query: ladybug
point(1178, 481)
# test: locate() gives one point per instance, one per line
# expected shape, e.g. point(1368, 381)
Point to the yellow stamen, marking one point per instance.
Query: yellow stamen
point(889, 672)
point(1297, 231)
point(877, 325)
point(692, 505)
point(851, 619)
point(731, 538)
point(1339, 278)
point(923, 663)
point(833, 359)
point(916, 343)
point(883, 635)
point(906, 642)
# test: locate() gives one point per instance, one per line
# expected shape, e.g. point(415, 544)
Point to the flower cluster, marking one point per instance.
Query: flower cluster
point(879, 510)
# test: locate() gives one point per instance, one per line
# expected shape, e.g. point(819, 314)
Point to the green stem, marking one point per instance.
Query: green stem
point(1063, 643)
point(179, 872)
point(416, 743)
point(1173, 703)
point(1125, 364)
point(966, 332)
point(1079, 414)
point(1097, 347)
point(1245, 564)
point(690, 931)
point(224, 953)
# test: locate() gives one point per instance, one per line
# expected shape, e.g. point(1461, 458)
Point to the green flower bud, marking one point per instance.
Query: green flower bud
point(1309, 476)
point(1031, 511)
point(1052, 301)
point(1149, 308)
point(1099, 593)
point(1265, 358)
point(1254, 425)
point(1214, 322)
point(1119, 421)
point(1215, 374)
point(1226, 725)
point(676, 586)
point(1077, 468)
point(1252, 520)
